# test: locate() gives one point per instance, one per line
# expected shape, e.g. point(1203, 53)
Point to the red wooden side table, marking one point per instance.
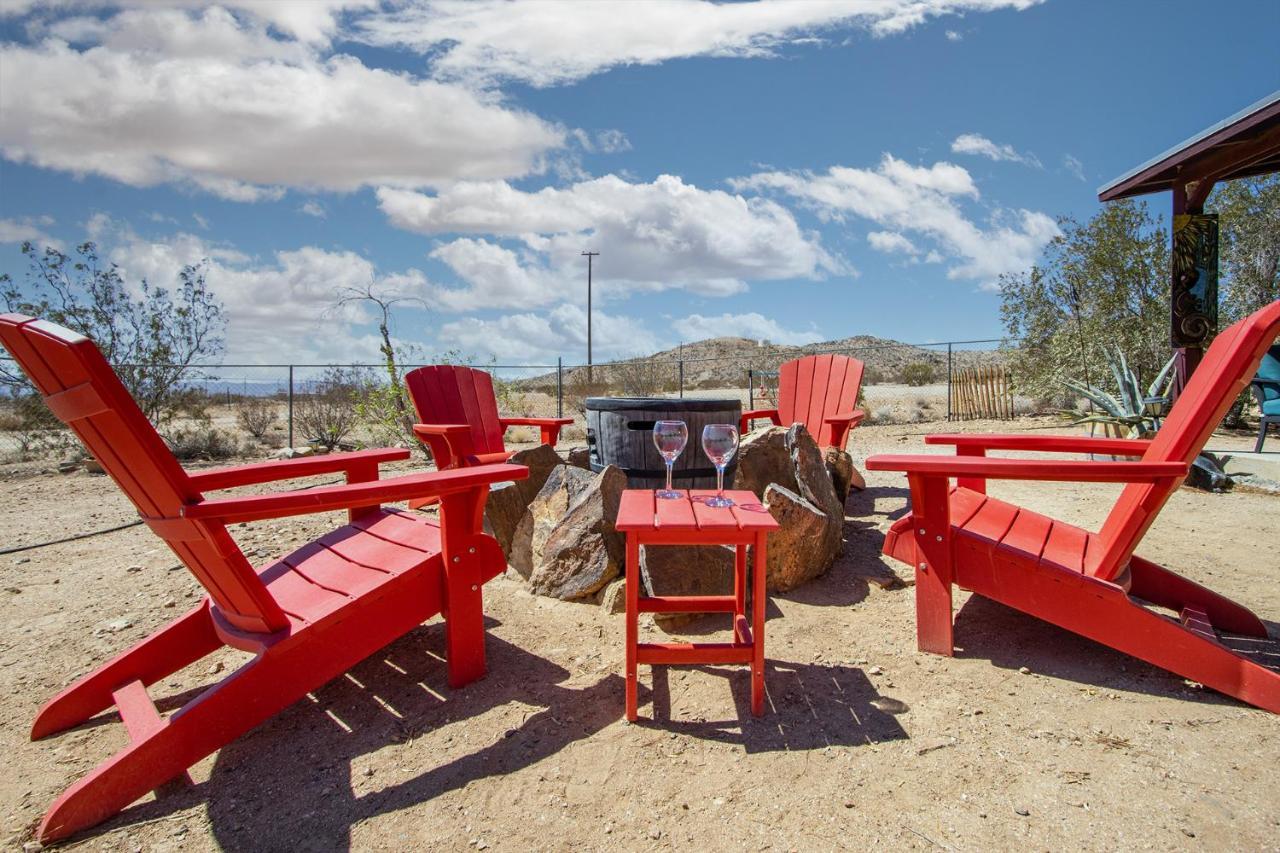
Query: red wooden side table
point(689, 521)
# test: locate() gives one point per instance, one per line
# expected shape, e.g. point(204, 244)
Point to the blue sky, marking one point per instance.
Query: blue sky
point(796, 171)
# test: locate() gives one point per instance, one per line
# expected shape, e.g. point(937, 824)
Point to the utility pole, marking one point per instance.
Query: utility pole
point(590, 256)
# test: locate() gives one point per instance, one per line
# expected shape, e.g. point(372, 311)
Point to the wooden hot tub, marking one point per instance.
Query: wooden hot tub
point(620, 432)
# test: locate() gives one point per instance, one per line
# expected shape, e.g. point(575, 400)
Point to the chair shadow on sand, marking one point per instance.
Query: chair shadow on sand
point(304, 754)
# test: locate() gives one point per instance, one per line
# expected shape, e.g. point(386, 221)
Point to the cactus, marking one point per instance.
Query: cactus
point(1138, 413)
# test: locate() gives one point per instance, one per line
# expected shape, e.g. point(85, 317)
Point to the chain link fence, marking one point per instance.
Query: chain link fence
point(278, 405)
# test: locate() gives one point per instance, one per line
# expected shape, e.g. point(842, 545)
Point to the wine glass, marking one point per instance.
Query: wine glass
point(670, 438)
point(719, 442)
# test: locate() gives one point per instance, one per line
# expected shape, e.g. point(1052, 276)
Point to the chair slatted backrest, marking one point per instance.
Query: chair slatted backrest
point(84, 392)
point(1225, 371)
point(448, 394)
point(816, 387)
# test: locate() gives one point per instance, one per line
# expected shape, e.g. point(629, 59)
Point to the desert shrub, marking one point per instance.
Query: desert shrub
point(917, 373)
point(153, 335)
point(873, 376)
point(387, 415)
point(329, 413)
point(202, 441)
point(256, 415)
point(34, 429)
point(882, 414)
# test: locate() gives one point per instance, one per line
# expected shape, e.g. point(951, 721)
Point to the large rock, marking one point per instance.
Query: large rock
point(764, 458)
point(815, 486)
point(844, 476)
point(801, 549)
point(508, 502)
point(579, 457)
point(564, 485)
point(685, 570)
point(581, 551)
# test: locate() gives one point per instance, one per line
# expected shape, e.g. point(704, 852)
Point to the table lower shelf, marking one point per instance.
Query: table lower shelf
point(687, 604)
point(678, 653)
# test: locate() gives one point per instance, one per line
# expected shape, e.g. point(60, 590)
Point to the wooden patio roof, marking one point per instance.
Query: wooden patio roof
point(1247, 143)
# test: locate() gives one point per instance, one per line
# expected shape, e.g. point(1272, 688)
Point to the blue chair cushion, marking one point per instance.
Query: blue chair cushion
point(1269, 369)
point(1271, 407)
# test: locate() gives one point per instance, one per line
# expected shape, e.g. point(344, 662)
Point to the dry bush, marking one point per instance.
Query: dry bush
point(256, 415)
point(918, 373)
point(329, 413)
point(202, 441)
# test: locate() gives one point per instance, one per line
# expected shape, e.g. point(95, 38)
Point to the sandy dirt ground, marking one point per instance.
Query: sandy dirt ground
point(1030, 738)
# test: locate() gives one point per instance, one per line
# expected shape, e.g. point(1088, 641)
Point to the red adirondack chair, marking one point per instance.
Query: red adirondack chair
point(819, 391)
point(459, 418)
point(307, 617)
point(1089, 583)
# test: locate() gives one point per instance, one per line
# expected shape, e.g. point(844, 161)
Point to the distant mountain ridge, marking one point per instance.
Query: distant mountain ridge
point(723, 362)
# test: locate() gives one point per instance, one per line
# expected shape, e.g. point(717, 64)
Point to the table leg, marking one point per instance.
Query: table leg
point(633, 614)
point(739, 590)
point(757, 626)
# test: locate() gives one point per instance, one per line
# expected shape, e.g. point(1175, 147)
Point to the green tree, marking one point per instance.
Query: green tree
point(154, 337)
point(1102, 285)
point(1249, 244)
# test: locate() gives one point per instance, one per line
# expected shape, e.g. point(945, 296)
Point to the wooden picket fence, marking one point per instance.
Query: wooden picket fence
point(982, 392)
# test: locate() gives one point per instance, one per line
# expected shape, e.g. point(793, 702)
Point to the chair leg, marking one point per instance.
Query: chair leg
point(1158, 585)
point(468, 557)
point(1167, 644)
point(1263, 422)
point(179, 644)
point(1104, 613)
point(266, 685)
point(933, 564)
point(250, 695)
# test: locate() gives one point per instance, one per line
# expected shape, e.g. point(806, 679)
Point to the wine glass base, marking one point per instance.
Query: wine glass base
point(667, 495)
point(719, 501)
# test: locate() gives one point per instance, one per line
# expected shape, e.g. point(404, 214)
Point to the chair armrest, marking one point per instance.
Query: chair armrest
point(1045, 443)
point(538, 422)
point(287, 469)
point(1074, 471)
point(450, 444)
point(549, 427)
point(745, 419)
point(352, 495)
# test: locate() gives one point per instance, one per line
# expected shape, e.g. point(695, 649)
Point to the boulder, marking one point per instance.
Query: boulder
point(563, 485)
point(580, 457)
point(763, 458)
point(613, 598)
point(508, 502)
point(815, 486)
point(685, 570)
point(581, 551)
point(800, 550)
point(844, 476)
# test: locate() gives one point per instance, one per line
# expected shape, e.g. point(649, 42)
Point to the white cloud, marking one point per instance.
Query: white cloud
point(609, 141)
point(953, 35)
point(277, 310)
point(924, 201)
point(1074, 167)
point(310, 21)
point(30, 230)
point(652, 236)
point(557, 41)
point(205, 100)
point(697, 327)
point(975, 143)
point(891, 242)
point(313, 208)
point(529, 338)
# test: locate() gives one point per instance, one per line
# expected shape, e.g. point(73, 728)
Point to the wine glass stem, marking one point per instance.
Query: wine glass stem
point(669, 465)
point(720, 480)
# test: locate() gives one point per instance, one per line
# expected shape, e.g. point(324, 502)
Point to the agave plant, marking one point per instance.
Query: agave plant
point(1136, 412)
